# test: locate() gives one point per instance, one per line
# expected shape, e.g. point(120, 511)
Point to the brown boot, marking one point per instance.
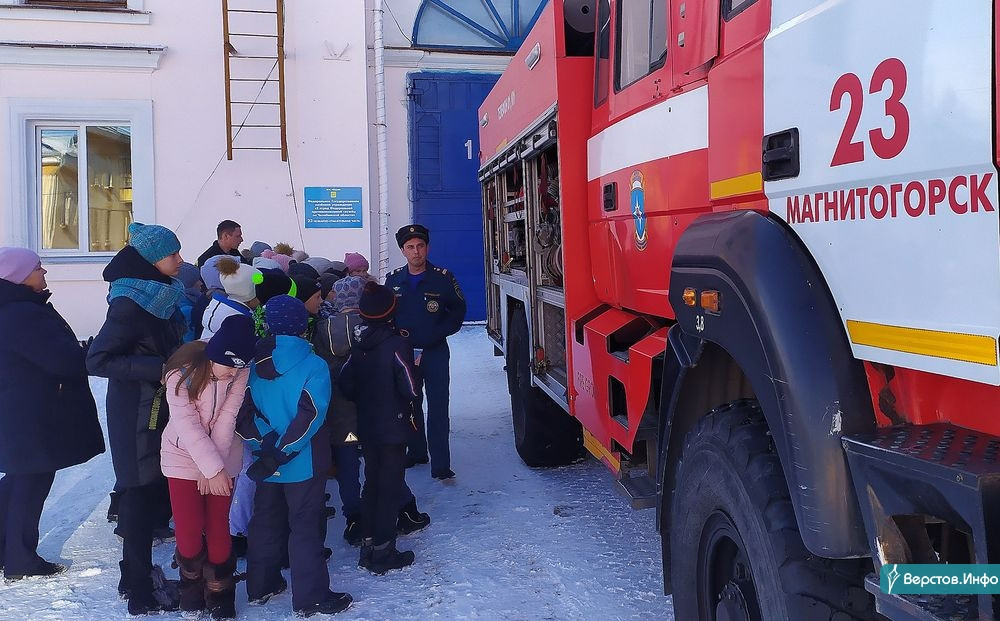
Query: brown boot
point(220, 589)
point(192, 586)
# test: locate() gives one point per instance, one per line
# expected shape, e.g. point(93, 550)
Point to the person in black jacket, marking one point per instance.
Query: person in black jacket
point(142, 330)
point(229, 236)
point(332, 342)
point(380, 379)
point(47, 414)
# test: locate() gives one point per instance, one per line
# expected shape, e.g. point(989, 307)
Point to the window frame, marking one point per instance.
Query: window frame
point(653, 66)
point(100, 5)
point(602, 86)
point(727, 9)
point(27, 117)
point(83, 184)
point(134, 12)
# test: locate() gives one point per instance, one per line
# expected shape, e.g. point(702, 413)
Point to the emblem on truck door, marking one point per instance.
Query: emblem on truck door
point(637, 203)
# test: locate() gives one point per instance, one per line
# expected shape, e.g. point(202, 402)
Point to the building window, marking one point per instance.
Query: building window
point(82, 171)
point(79, 4)
point(473, 25)
point(83, 181)
point(642, 39)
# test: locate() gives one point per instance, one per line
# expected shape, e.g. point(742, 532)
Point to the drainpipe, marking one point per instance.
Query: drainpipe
point(380, 142)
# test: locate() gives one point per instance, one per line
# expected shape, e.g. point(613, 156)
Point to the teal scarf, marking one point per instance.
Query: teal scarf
point(156, 298)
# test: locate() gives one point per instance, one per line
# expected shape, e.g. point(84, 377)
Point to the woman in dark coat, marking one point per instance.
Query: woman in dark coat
point(142, 330)
point(47, 414)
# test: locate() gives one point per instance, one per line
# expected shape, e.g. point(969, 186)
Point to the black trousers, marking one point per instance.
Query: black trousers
point(21, 500)
point(385, 466)
point(139, 510)
point(435, 380)
point(289, 516)
point(163, 509)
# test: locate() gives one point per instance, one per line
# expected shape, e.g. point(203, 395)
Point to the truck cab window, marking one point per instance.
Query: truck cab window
point(642, 39)
point(603, 52)
point(732, 8)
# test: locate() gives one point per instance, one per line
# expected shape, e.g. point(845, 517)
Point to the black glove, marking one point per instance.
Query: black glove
point(265, 466)
point(268, 443)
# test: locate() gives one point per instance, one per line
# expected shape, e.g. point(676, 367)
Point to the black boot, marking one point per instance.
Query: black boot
point(192, 586)
point(413, 461)
point(365, 558)
point(353, 533)
point(239, 546)
point(123, 589)
point(334, 603)
point(153, 595)
point(220, 589)
point(386, 557)
point(410, 520)
point(113, 507)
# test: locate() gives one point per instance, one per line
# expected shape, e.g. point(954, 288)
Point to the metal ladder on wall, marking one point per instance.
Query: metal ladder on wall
point(253, 94)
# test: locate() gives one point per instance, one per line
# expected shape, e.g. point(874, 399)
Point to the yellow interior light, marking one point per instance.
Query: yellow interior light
point(710, 301)
point(690, 296)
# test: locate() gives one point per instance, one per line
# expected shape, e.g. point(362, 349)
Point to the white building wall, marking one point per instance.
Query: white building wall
point(330, 107)
point(327, 127)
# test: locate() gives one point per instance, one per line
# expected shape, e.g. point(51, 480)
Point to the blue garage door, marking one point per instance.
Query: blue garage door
point(444, 161)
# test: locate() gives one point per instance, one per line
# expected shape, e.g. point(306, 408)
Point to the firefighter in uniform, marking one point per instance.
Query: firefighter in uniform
point(431, 308)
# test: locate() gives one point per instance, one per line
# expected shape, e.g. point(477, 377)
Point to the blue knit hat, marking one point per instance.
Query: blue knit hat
point(285, 315)
point(153, 241)
point(233, 344)
point(347, 292)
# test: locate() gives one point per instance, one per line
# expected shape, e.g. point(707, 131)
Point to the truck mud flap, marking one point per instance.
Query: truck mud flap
point(912, 475)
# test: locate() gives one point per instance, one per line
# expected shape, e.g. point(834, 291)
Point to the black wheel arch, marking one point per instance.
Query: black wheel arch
point(779, 335)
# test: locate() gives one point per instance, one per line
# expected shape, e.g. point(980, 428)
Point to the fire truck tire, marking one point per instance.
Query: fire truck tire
point(735, 548)
point(544, 434)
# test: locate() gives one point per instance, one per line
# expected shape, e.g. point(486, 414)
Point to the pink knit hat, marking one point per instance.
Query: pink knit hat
point(283, 260)
point(355, 262)
point(16, 264)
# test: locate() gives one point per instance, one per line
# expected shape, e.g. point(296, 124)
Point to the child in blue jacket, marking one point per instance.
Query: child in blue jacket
point(282, 419)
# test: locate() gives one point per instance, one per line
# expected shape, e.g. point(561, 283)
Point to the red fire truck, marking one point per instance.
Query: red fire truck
point(747, 254)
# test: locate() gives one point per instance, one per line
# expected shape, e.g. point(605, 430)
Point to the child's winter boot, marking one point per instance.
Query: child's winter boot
point(220, 589)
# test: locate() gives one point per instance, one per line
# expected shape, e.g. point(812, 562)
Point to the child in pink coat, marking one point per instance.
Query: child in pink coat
point(200, 455)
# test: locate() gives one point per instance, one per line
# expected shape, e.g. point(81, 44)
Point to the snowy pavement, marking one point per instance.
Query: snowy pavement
point(505, 541)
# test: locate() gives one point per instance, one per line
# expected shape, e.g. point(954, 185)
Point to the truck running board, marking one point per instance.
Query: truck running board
point(911, 476)
point(640, 489)
point(922, 607)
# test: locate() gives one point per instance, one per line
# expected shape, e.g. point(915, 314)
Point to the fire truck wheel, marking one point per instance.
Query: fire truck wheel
point(736, 552)
point(544, 434)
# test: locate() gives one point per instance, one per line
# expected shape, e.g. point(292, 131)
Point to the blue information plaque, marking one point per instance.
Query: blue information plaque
point(333, 208)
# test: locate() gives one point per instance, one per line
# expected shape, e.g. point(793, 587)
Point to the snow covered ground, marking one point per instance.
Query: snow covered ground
point(505, 541)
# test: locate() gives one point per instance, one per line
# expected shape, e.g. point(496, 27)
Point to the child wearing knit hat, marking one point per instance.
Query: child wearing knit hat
point(156, 244)
point(283, 260)
point(333, 342)
point(286, 408)
point(239, 282)
point(309, 292)
point(138, 336)
point(200, 455)
point(357, 265)
point(379, 377)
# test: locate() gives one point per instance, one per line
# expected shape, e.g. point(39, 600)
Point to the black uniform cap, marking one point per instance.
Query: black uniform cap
point(410, 231)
